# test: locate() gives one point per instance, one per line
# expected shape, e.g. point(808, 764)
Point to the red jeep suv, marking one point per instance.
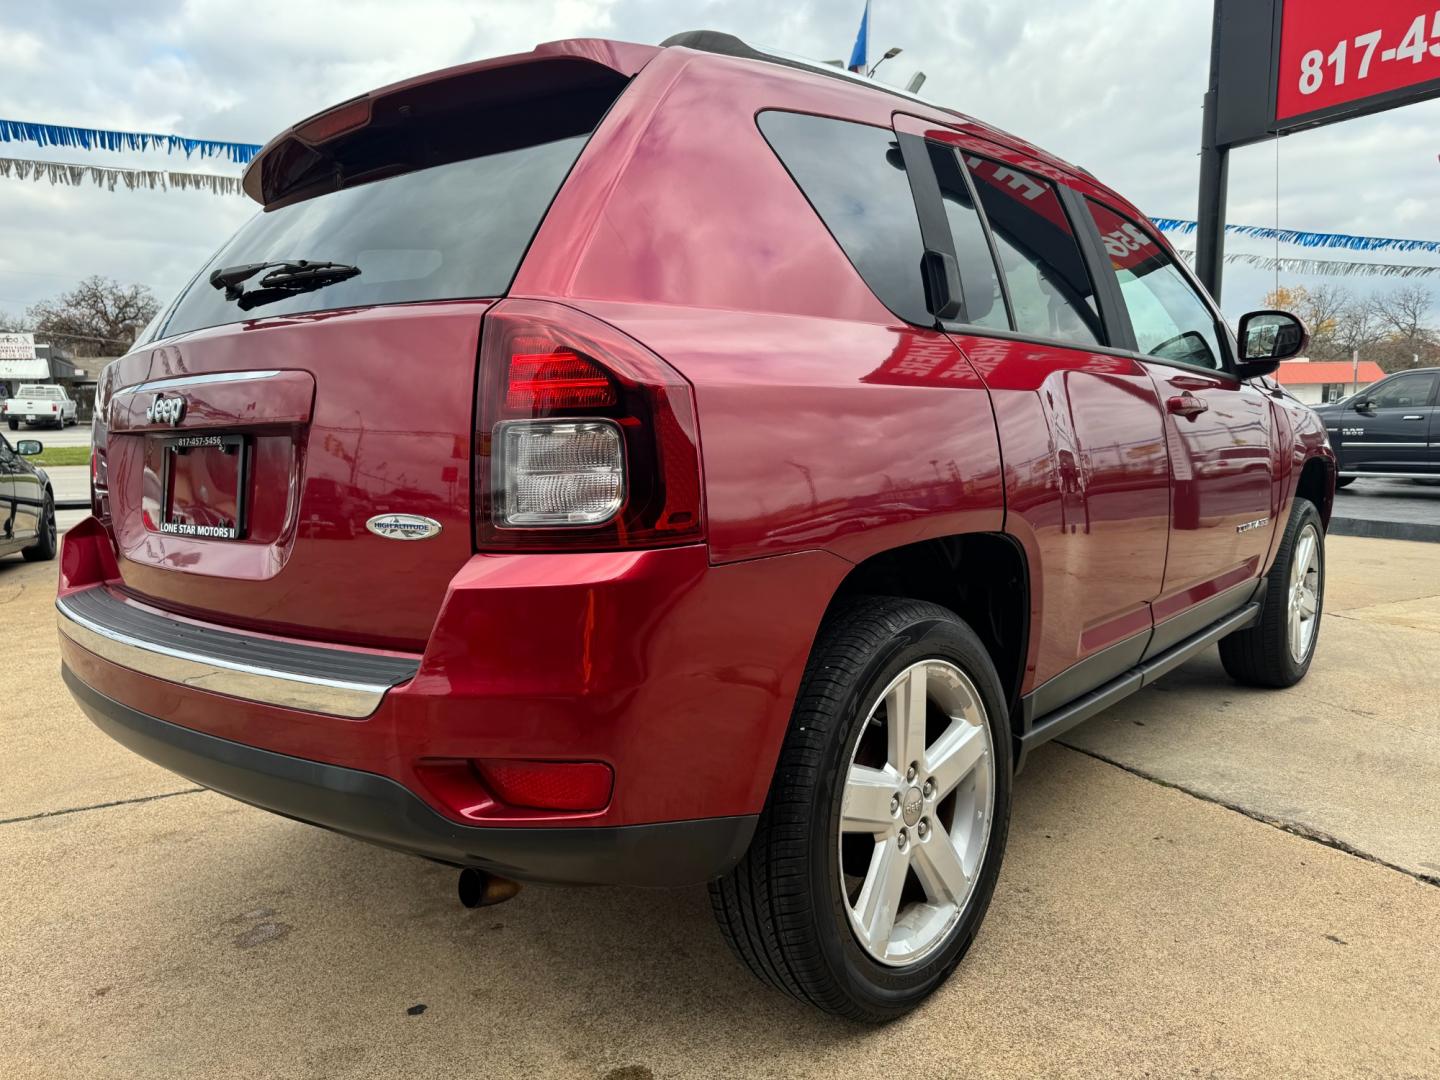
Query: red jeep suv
point(661, 465)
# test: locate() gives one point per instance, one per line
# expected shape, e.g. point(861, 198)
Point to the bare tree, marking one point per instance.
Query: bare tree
point(1337, 320)
point(99, 317)
point(1356, 330)
point(1401, 315)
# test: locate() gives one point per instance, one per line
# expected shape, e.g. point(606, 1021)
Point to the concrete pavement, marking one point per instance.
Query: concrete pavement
point(1137, 930)
point(1396, 509)
point(1352, 754)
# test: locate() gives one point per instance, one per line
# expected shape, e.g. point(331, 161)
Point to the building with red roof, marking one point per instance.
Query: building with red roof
point(1317, 382)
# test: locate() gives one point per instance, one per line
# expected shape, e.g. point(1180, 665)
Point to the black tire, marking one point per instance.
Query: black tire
point(14, 425)
point(783, 910)
point(1261, 655)
point(1344, 481)
point(43, 550)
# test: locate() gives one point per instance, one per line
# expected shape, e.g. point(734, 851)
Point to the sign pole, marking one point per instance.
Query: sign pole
point(1214, 176)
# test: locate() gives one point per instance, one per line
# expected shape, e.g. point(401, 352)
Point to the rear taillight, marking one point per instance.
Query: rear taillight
point(585, 439)
point(54, 408)
point(99, 432)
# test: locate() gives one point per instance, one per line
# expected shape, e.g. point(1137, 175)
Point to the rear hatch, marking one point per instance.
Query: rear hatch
point(246, 453)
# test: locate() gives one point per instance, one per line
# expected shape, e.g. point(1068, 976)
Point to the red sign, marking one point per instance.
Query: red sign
point(1338, 52)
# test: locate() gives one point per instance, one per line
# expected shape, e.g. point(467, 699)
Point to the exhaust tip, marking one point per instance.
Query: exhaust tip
point(480, 889)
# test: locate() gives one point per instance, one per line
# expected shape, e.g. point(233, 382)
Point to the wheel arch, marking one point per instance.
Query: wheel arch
point(1317, 484)
point(982, 577)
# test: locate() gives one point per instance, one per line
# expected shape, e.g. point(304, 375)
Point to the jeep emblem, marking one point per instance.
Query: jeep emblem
point(165, 410)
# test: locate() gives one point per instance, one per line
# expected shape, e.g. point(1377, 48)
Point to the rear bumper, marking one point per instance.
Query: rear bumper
point(379, 810)
point(678, 675)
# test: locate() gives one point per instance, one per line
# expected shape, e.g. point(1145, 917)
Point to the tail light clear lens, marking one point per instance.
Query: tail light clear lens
point(585, 439)
point(558, 472)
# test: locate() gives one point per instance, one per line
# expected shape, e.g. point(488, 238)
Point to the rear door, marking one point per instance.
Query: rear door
point(1081, 429)
point(1220, 432)
point(1389, 427)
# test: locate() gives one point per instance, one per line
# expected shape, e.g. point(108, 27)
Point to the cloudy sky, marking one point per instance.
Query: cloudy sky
point(1114, 85)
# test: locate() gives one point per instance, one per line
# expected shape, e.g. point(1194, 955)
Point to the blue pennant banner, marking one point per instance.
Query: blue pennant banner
point(99, 139)
point(1306, 239)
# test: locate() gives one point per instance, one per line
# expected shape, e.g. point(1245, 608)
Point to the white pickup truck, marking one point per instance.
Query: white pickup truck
point(38, 404)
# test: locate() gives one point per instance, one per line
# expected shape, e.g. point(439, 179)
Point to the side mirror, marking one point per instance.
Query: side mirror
point(1268, 337)
point(28, 447)
point(1364, 405)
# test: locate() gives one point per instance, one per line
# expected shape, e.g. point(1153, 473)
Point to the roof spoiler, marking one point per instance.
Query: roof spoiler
point(303, 160)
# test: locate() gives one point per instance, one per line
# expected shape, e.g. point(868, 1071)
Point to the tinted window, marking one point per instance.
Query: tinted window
point(984, 302)
point(449, 231)
point(1405, 392)
point(1170, 320)
point(1050, 290)
point(855, 178)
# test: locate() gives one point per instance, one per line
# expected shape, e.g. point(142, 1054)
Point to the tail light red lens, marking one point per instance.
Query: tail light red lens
point(585, 439)
point(561, 379)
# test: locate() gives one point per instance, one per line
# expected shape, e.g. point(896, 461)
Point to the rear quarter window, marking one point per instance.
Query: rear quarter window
point(854, 177)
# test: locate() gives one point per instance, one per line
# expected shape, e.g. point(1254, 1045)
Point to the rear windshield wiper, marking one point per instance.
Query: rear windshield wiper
point(285, 278)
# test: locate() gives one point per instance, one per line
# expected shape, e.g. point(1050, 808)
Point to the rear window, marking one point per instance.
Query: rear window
point(450, 231)
point(40, 393)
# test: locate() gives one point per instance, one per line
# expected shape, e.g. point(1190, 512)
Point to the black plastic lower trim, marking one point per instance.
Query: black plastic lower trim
point(379, 810)
point(1058, 721)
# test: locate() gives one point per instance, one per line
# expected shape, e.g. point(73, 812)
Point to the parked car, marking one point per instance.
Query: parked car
point(1391, 428)
point(747, 467)
point(39, 404)
point(27, 503)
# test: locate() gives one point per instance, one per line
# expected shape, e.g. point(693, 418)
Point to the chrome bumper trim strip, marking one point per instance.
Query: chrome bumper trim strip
point(292, 690)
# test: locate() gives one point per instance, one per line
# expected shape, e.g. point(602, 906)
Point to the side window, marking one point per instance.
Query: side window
point(1050, 291)
point(1170, 320)
point(984, 302)
point(855, 179)
point(1406, 392)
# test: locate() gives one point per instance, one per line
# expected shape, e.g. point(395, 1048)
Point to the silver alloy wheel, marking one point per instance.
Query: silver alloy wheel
point(925, 799)
point(1304, 605)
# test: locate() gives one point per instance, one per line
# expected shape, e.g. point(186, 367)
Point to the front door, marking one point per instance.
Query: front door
point(1219, 431)
point(1388, 428)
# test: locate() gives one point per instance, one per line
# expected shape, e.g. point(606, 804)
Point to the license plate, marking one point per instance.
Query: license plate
point(205, 486)
point(29, 418)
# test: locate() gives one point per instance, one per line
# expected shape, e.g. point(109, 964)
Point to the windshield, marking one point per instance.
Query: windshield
point(447, 232)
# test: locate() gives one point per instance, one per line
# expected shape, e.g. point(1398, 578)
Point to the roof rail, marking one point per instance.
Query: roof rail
point(722, 44)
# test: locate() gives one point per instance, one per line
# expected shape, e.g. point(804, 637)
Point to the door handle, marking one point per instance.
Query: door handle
point(1186, 405)
point(1413, 416)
